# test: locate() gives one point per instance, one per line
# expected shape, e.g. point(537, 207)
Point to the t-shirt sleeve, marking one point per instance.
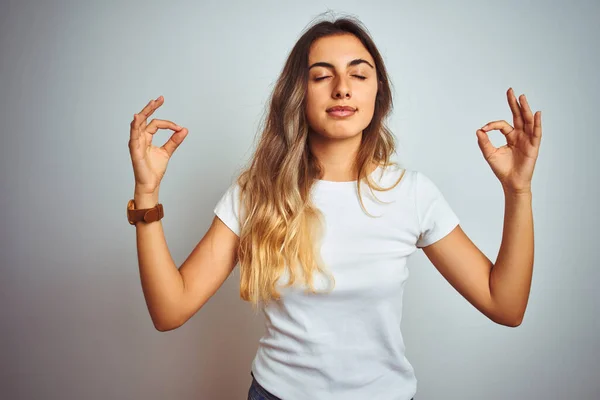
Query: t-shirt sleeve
point(436, 217)
point(227, 209)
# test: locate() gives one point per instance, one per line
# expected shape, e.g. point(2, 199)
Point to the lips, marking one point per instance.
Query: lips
point(341, 108)
point(341, 111)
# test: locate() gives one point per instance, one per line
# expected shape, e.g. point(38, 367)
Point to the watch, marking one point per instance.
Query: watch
point(145, 214)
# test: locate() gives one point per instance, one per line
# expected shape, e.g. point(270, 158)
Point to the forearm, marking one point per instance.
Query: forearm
point(510, 278)
point(162, 283)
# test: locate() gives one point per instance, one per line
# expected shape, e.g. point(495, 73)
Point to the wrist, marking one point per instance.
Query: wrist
point(516, 193)
point(145, 200)
point(509, 191)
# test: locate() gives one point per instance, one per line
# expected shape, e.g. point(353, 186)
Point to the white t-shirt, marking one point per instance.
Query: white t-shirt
point(347, 344)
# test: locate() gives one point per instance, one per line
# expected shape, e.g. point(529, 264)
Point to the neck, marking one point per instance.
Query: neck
point(336, 156)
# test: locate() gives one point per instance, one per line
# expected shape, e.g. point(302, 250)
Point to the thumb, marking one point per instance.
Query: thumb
point(174, 141)
point(486, 146)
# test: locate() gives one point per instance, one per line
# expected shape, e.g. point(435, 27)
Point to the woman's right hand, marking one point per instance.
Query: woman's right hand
point(150, 162)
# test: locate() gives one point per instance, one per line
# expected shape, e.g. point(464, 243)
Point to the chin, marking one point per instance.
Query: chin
point(339, 133)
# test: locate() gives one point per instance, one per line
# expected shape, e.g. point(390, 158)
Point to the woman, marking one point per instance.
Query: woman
point(321, 223)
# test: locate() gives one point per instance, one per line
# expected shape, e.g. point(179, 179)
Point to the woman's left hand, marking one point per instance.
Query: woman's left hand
point(513, 164)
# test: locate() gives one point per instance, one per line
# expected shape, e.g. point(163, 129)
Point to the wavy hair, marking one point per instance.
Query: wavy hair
point(280, 226)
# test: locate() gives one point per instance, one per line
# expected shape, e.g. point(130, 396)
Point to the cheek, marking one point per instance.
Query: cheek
point(368, 100)
point(370, 95)
point(314, 104)
point(313, 96)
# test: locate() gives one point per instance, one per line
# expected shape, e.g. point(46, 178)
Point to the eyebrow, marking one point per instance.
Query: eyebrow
point(350, 64)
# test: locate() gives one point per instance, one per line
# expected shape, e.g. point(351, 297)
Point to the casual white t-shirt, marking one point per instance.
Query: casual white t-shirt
point(347, 344)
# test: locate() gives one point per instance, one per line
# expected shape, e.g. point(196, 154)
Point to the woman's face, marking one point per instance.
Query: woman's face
point(337, 66)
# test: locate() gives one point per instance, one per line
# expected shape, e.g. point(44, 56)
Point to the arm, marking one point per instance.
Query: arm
point(510, 279)
point(499, 291)
point(161, 282)
point(173, 295)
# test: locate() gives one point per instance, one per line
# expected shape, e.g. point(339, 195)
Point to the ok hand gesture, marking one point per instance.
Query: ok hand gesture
point(150, 162)
point(513, 163)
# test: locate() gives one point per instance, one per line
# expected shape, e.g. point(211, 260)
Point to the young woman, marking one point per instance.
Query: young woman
point(321, 223)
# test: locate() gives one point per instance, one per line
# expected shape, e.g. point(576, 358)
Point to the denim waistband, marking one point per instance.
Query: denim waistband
point(257, 392)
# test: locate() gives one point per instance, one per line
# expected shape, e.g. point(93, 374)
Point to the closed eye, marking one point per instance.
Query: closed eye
point(362, 78)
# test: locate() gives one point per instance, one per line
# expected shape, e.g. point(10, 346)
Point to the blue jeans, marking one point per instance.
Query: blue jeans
point(258, 392)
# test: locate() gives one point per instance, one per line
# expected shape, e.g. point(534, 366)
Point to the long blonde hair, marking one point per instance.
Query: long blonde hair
point(280, 225)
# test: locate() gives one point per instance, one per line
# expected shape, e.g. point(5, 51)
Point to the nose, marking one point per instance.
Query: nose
point(342, 89)
point(340, 94)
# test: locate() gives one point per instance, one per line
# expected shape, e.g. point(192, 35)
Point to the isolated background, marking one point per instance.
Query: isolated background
point(72, 74)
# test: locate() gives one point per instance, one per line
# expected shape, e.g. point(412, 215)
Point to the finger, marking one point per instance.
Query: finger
point(135, 135)
point(537, 130)
point(152, 106)
point(157, 124)
point(147, 111)
point(174, 141)
point(134, 132)
point(486, 146)
point(507, 130)
point(527, 115)
point(515, 108)
point(500, 125)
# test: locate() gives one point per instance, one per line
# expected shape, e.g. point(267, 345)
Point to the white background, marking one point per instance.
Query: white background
point(74, 321)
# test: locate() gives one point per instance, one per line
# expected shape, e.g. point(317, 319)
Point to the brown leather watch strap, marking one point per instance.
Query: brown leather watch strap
point(146, 214)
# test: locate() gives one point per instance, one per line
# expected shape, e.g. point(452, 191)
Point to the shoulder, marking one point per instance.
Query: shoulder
point(423, 185)
point(414, 183)
point(393, 173)
point(403, 179)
